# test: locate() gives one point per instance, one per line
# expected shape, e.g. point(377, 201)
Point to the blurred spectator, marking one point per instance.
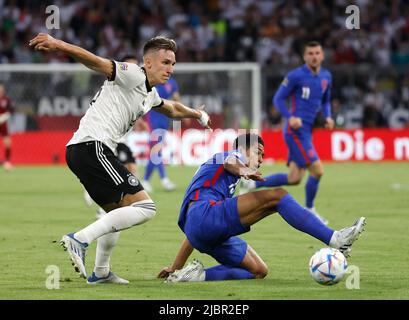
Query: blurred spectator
point(215, 30)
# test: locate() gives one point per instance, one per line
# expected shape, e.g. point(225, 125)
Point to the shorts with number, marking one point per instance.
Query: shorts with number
point(300, 147)
point(101, 173)
point(212, 228)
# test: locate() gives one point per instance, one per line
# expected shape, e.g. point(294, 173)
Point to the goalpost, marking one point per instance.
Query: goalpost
point(251, 83)
point(229, 90)
point(51, 98)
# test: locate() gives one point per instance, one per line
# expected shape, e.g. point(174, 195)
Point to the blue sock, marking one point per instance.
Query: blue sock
point(222, 272)
point(311, 188)
point(161, 169)
point(302, 219)
point(275, 180)
point(149, 169)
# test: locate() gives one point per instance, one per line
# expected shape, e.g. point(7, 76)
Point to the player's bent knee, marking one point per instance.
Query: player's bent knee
point(318, 175)
point(146, 210)
point(272, 197)
point(280, 193)
point(261, 272)
point(292, 181)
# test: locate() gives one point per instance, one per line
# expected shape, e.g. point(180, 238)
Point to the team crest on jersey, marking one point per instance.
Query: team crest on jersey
point(324, 84)
point(123, 66)
point(285, 82)
point(133, 181)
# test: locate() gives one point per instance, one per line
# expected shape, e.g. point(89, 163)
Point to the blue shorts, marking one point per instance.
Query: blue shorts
point(300, 147)
point(211, 227)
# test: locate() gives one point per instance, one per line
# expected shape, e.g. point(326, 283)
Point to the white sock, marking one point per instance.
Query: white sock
point(118, 219)
point(105, 246)
point(333, 243)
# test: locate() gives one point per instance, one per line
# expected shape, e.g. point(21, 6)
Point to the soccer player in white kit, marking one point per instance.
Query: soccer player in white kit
point(126, 95)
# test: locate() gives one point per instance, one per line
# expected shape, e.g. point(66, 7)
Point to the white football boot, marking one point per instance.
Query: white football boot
point(194, 271)
point(77, 251)
point(344, 238)
point(167, 184)
point(110, 278)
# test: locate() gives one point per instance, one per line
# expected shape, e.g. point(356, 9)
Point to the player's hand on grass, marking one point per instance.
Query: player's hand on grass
point(165, 272)
point(44, 42)
point(329, 123)
point(204, 120)
point(295, 122)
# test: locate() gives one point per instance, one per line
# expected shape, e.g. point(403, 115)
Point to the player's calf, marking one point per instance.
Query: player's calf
point(254, 264)
point(294, 180)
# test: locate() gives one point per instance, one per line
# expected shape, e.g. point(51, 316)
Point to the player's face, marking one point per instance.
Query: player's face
point(159, 65)
point(255, 155)
point(1, 90)
point(313, 56)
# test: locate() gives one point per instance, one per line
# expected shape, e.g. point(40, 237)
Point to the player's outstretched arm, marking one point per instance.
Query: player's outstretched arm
point(234, 166)
point(177, 110)
point(45, 42)
point(184, 253)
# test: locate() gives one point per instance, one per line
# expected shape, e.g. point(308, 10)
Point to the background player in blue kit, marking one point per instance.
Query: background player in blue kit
point(211, 218)
point(159, 124)
point(309, 90)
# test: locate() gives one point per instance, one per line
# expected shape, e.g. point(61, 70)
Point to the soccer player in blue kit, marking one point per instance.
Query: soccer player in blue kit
point(212, 218)
point(159, 124)
point(309, 89)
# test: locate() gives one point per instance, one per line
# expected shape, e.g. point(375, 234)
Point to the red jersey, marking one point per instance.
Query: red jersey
point(5, 105)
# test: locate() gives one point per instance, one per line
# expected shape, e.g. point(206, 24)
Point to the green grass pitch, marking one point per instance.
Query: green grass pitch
point(40, 204)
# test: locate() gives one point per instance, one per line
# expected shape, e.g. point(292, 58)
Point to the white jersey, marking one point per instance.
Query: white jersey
point(113, 111)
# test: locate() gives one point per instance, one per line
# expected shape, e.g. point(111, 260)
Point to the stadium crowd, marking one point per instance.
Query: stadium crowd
point(266, 31)
point(269, 32)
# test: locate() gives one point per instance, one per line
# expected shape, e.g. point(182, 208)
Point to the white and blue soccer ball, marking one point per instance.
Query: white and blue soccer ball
point(328, 266)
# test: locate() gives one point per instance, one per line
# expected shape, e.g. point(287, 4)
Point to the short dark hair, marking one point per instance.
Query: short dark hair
point(158, 43)
point(128, 57)
point(311, 44)
point(246, 140)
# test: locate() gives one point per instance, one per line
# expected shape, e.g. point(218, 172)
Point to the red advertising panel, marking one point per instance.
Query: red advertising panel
point(194, 146)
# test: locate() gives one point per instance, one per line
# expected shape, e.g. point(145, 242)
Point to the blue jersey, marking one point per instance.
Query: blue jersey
point(157, 120)
point(211, 183)
point(309, 93)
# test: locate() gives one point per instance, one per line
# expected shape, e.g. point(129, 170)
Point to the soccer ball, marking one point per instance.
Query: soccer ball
point(328, 266)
